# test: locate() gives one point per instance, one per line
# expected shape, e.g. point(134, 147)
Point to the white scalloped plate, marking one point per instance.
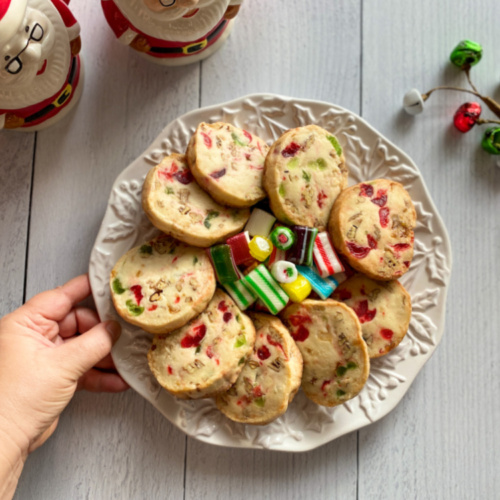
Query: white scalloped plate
point(369, 155)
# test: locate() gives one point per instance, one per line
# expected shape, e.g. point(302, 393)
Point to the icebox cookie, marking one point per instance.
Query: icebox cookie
point(270, 378)
point(175, 204)
point(383, 309)
point(336, 362)
point(372, 226)
point(204, 357)
point(162, 284)
point(304, 173)
point(228, 162)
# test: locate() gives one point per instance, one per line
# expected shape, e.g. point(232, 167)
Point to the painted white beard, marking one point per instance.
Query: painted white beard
point(58, 62)
point(168, 25)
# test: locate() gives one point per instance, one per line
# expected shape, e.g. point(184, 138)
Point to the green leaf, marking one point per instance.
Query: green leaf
point(118, 287)
point(240, 341)
point(211, 215)
point(335, 144)
point(134, 309)
point(260, 401)
point(169, 190)
point(306, 176)
point(146, 250)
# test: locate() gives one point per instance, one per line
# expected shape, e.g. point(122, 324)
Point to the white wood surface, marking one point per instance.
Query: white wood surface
point(442, 440)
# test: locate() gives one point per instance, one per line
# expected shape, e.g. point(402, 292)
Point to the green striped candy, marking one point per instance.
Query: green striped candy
point(267, 289)
point(241, 293)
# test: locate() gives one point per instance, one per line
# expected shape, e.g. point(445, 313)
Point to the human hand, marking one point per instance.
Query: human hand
point(44, 360)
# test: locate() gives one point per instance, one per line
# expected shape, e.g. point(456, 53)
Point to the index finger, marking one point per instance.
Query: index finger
point(56, 304)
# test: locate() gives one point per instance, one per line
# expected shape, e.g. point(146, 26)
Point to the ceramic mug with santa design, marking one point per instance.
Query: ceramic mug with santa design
point(40, 69)
point(172, 32)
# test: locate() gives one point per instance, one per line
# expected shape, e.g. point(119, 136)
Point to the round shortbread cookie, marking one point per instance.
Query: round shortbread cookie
point(383, 309)
point(336, 362)
point(372, 226)
point(228, 162)
point(304, 173)
point(162, 284)
point(204, 357)
point(176, 204)
point(270, 378)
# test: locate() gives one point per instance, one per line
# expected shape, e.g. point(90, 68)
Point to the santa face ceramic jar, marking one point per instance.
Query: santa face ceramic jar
point(40, 78)
point(172, 32)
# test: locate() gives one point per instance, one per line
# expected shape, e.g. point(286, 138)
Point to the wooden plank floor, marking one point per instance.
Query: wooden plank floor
point(442, 440)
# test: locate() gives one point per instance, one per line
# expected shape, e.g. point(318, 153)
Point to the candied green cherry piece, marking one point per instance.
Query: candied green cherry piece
point(491, 141)
point(306, 175)
point(466, 54)
point(118, 287)
point(351, 365)
point(340, 393)
point(146, 250)
point(260, 401)
point(341, 371)
point(134, 309)
point(240, 341)
point(293, 163)
point(281, 190)
point(211, 215)
point(237, 140)
point(335, 144)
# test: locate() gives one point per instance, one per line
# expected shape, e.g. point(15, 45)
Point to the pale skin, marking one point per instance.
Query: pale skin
point(49, 348)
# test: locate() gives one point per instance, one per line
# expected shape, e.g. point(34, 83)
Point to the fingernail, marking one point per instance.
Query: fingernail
point(114, 328)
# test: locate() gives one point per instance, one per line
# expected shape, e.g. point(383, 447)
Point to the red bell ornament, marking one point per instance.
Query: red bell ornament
point(467, 116)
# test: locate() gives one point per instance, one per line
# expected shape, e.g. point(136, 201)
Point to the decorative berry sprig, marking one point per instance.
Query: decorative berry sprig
point(465, 55)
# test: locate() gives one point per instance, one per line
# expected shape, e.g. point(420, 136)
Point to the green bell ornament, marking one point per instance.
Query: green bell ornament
point(466, 54)
point(491, 141)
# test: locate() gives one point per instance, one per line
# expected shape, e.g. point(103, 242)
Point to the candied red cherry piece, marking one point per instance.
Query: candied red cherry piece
point(466, 116)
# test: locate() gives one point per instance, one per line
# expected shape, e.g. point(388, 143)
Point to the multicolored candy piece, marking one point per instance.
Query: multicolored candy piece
point(260, 248)
point(260, 223)
point(276, 255)
point(302, 252)
point(337, 279)
point(282, 238)
point(222, 260)
point(299, 290)
point(325, 257)
point(267, 289)
point(239, 248)
point(284, 271)
point(323, 287)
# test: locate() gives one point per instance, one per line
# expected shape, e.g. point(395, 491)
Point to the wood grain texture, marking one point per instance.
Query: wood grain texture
point(442, 440)
point(279, 60)
point(16, 163)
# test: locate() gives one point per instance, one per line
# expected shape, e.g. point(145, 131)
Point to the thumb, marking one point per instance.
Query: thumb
point(79, 354)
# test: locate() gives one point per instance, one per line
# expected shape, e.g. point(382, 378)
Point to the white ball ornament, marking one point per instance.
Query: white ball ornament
point(413, 102)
